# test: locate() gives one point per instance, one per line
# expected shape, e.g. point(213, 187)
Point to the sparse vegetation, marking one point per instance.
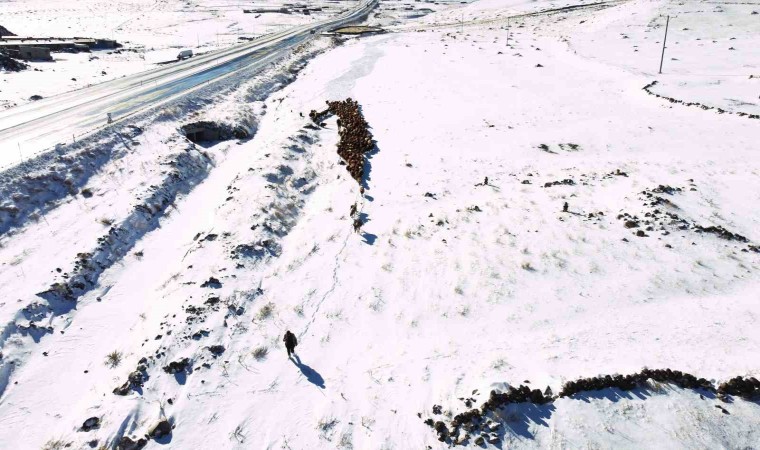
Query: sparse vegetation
point(56, 444)
point(346, 441)
point(260, 353)
point(326, 427)
point(113, 359)
point(265, 312)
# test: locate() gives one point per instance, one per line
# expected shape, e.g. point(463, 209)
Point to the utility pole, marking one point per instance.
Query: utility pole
point(663, 43)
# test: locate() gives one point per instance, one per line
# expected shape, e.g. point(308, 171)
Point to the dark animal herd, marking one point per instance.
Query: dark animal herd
point(355, 137)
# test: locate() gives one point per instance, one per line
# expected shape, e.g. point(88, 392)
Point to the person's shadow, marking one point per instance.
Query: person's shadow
point(312, 375)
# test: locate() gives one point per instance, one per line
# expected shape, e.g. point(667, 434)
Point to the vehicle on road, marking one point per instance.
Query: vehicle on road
point(184, 54)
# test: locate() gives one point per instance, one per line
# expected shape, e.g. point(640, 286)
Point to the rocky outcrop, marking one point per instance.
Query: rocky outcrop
point(160, 429)
point(478, 425)
point(179, 366)
point(135, 380)
point(93, 423)
point(127, 443)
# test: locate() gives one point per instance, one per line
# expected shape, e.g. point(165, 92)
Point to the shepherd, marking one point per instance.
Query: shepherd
point(290, 342)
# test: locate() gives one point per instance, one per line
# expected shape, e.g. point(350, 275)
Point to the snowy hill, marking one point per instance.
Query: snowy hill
point(168, 271)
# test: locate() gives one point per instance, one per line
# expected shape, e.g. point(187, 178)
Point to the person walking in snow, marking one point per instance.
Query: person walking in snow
point(290, 342)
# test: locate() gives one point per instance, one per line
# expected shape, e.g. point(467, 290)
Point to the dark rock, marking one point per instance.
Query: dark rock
point(565, 182)
point(176, 367)
point(91, 424)
point(216, 350)
point(135, 380)
point(721, 233)
point(442, 431)
point(212, 283)
point(162, 428)
point(126, 443)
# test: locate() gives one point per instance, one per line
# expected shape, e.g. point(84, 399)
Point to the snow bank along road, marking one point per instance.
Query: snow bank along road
point(29, 129)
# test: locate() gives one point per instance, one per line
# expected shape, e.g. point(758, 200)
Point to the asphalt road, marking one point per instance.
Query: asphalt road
point(31, 129)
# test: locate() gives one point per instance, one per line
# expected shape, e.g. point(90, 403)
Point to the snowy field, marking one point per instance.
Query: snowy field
point(170, 270)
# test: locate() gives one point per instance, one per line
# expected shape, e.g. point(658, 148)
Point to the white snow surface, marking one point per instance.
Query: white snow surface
point(434, 298)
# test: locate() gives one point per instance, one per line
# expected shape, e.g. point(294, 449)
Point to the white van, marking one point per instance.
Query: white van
point(184, 54)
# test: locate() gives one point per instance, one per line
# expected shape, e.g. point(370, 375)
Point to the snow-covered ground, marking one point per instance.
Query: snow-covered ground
point(451, 289)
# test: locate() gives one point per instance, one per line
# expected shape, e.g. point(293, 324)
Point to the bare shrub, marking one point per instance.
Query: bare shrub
point(56, 444)
point(266, 311)
point(113, 359)
point(260, 353)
